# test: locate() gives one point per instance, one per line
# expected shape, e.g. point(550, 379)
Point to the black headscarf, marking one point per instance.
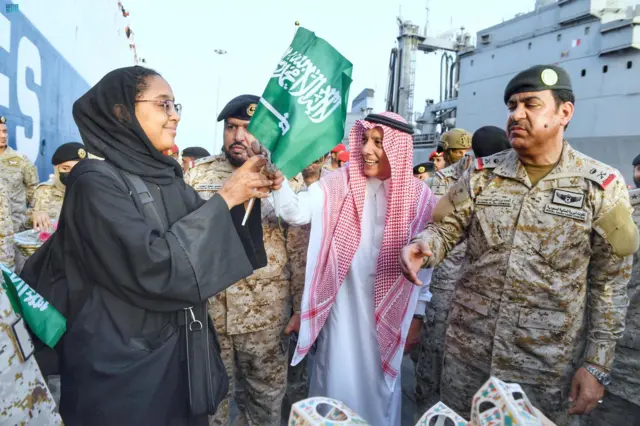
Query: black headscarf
point(489, 140)
point(106, 118)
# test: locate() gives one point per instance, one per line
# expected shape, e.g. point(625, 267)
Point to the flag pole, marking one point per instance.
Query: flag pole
point(253, 200)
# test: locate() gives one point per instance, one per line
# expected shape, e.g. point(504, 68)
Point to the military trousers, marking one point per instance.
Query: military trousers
point(460, 382)
point(431, 349)
point(256, 363)
point(614, 411)
point(297, 381)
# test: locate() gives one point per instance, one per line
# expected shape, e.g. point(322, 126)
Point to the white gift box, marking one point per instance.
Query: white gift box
point(320, 411)
point(499, 404)
point(440, 412)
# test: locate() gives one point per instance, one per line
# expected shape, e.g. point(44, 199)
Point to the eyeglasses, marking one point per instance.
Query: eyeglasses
point(170, 106)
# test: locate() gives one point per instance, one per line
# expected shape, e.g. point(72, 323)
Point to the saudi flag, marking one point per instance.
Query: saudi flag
point(302, 111)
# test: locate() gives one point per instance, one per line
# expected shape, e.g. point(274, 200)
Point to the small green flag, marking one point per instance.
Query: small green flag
point(302, 111)
point(42, 318)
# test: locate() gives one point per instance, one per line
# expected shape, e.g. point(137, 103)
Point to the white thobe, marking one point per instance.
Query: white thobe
point(347, 364)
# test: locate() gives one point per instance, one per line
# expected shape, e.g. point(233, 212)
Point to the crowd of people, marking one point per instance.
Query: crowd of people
point(507, 254)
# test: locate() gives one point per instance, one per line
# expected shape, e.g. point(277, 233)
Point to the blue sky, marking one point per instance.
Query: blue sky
point(178, 39)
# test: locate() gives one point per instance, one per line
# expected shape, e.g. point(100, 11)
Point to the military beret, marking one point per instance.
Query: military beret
point(636, 161)
point(241, 107)
point(427, 167)
point(489, 140)
point(343, 156)
point(339, 148)
point(71, 151)
point(435, 154)
point(537, 79)
point(195, 152)
point(3, 119)
point(456, 139)
point(173, 150)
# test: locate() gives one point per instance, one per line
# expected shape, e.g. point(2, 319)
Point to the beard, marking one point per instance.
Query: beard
point(235, 161)
point(636, 180)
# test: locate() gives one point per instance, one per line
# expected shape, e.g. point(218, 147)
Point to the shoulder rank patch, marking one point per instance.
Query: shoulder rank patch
point(600, 175)
point(568, 198)
point(446, 172)
point(204, 160)
point(490, 162)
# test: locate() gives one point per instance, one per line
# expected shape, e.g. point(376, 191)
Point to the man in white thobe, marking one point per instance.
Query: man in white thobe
point(356, 304)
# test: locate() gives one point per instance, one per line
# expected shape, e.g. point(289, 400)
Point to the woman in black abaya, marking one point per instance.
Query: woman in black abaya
point(135, 280)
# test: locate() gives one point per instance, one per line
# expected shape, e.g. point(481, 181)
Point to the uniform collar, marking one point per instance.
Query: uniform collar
point(9, 152)
point(512, 167)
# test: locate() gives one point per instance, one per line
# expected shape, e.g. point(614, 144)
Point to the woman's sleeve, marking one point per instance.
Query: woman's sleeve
point(199, 256)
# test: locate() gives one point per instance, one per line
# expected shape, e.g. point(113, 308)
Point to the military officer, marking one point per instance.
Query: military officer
point(191, 154)
point(541, 221)
point(20, 177)
point(250, 316)
point(7, 255)
point(423, 171)
point(455, 143)
point(621, 405)
point(49, 195)
point(485, 141)
point(437, 157)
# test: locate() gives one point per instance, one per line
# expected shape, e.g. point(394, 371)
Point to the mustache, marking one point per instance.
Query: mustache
point(521, 124)
point(236, 144)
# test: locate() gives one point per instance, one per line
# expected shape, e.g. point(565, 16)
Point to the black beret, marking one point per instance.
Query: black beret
point(424, 168)
point(489, 140)
point(68, 152)
point(636, 161)
point(241, 107)
point(195, 152)
point(537, 79)
point(3, 119)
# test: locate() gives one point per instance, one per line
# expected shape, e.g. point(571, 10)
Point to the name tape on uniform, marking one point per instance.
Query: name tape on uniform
point(208, 187)
point(568, 198)
point(569, 212)
point(494, 200)
point(439, 189)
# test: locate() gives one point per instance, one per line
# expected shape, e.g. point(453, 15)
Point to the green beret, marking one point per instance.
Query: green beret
point(537, 79)
point(68, 152)
point(241, 107)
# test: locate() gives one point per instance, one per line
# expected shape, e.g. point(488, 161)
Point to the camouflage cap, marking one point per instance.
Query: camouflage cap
point(456, 139)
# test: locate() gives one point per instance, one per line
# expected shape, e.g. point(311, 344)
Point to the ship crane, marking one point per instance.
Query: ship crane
point(402, 75)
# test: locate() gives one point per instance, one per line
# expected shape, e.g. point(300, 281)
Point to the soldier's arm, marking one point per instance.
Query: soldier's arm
point(30, 178)
point(613, 243)
point(297, 242)
point(450, 220)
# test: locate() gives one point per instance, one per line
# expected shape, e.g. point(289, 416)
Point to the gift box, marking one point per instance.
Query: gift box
point(440, 413)
point(498, 403)
point(320, 411)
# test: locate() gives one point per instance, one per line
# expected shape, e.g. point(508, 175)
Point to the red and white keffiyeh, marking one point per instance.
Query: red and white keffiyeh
point(409, 206)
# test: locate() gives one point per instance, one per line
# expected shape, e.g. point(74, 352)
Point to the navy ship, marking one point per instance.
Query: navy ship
point(596, 41)
point(50, 54)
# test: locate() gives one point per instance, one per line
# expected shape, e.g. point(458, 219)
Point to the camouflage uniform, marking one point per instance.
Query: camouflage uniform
point(250, 316)
point(24, 396)
point(621, 405)
point(298, 243)
point(20, 178)
point(7, 255)
point(430, 350)
point(519, 309)
point(48, 198)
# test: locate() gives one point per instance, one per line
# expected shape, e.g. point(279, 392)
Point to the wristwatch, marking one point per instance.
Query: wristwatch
point(603, 377)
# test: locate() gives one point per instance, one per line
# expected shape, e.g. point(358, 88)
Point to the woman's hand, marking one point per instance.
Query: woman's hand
point(246, 182)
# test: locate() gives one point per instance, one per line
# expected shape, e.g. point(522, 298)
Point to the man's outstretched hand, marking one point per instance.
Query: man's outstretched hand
point(411, 260)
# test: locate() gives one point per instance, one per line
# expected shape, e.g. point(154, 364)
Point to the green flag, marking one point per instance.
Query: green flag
point(42, 318)
point(302, 111)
